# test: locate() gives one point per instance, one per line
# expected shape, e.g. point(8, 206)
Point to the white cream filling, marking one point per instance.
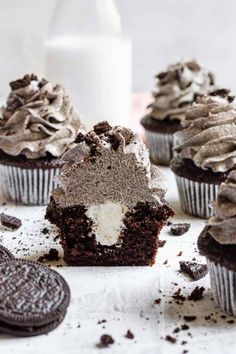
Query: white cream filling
point(107, 221)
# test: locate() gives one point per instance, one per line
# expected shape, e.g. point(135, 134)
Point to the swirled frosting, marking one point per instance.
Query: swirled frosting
point(38, 119)
point(109, 165)
point(177, 88)
point(222, 227)
point(209, 137)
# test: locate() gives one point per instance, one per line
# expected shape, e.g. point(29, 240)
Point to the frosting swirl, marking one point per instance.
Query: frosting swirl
point(177, 88)
point(222, 227)
point(209, 137)
point(117, 162)
point(38, 119)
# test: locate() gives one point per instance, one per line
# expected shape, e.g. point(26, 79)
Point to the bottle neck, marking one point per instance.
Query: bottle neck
point(73, 17)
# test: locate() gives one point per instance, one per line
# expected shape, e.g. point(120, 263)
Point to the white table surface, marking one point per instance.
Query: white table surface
point(124, 297)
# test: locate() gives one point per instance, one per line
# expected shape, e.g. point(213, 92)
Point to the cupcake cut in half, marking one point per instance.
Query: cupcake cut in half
point(218, 243)
point(37, 125)
point(109, 205)
point(206, 151)
point(176, 90)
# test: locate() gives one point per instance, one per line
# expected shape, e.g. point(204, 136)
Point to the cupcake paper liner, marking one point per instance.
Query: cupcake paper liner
point(195, 197)
point(223, 285)
point(160, 147)
point(27, 186)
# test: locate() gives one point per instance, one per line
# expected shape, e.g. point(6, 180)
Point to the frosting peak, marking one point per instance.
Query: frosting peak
point(177, 88)
point(108, 165)
point(222, 226)
point(210, 132)
point(38, 119)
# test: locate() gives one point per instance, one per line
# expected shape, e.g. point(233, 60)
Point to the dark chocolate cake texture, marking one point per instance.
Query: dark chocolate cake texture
point(109, 205)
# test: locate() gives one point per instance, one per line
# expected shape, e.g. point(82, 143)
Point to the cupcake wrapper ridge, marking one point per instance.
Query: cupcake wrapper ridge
point(160, 147)
point(223, 284)
point(195, 197)
point(27, 186)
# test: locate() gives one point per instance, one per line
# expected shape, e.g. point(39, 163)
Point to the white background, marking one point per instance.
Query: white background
point(161, 30)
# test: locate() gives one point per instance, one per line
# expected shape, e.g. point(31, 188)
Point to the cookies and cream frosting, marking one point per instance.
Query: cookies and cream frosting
point(109, 165)
point(222, 227)
point(177, 88)
point(109, 172)
point(38, 119)
point(209, 136)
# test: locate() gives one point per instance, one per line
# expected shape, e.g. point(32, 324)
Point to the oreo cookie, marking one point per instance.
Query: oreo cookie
point(33, 298)
point(5, 254)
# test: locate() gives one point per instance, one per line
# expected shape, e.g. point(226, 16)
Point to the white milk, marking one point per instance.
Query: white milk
point(96, 71)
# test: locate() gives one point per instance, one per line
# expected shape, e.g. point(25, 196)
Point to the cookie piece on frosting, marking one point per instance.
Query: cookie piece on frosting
point(109, 205)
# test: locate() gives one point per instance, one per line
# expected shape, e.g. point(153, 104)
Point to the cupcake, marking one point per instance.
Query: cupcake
point(176, 90)
point(109, 203)
point(37, 125)
point(206, 151)
point(218, 243)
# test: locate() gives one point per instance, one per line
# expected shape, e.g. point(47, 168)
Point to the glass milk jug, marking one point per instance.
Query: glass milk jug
point(87, 53)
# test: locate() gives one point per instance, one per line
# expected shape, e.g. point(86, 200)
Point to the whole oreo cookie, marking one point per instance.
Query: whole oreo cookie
point(5, 254)
point(33, 298)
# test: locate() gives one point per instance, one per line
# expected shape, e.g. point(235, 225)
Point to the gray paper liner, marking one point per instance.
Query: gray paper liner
point(223, 285)
point(160, 147)
point(195, 197)
point(27, 186)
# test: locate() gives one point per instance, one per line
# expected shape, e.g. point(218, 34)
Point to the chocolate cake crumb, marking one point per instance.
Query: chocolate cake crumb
point(166, 261)
point(180, 254)
point(184, 327)
point(157, 301)
point(176, 330)
point(102, 127)
point(129, 335)
point(177, 296)
point(45, 231)
point(10, 222)
point(105, 341)
point(179, 229)
point(197, 293)
point(161, 243)
point(170, 339)
point(52, 255)
point(195, 270)
point(102, 321)
point(190, 318)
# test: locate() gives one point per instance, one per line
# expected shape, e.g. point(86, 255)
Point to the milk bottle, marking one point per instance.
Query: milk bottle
point(87, 53)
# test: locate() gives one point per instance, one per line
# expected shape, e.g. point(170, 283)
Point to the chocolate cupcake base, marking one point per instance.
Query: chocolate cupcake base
point(159, 136)
point(195, 197)
point(160, 147)
point(197, 188)
point(137, 245)
point(221, 261)
point(28, 182)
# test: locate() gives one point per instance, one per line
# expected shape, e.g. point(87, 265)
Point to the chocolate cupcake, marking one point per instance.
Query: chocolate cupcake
point(218, 243)
point(206, 151)
point(109, 205)
point(37, 125)
point(176, 90)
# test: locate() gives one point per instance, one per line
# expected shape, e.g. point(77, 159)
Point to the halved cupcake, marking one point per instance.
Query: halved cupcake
point(109, 205)
point(37, 125)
